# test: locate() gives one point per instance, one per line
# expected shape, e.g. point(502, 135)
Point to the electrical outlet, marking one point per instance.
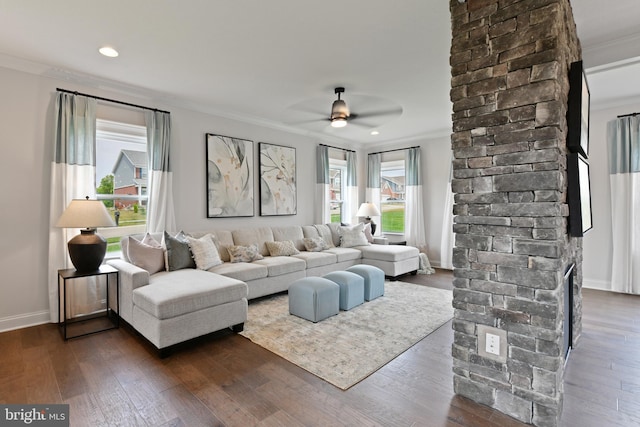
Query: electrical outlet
point(492, 344)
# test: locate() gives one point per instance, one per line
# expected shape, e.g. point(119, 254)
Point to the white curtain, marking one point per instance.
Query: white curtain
point(446, 242)
point(351, 190)
point(160, 212)
point(623, 138)
point(323, 195)
point(72, 177)
point(373, 186)
point(414, 228)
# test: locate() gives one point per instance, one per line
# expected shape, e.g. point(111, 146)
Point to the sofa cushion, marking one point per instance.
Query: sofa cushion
point(317, 259)
point(345, 254)
point(244, 253)
point(204, 250)
point(280, 265)
point(242, 271)
point(178, 252)
point(388, 252)
point(149, 257)
point(282, 248)
point(293, 233)
point(310, 231)
point(257, 236)
point(171, 294)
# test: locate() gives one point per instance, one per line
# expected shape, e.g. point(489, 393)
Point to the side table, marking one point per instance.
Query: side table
point(94, 322)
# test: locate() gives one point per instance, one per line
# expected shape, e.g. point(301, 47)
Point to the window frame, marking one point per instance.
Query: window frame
point(108, 131)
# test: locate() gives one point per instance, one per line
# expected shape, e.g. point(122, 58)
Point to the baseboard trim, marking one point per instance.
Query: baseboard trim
point(601, 285)
point(24, 320)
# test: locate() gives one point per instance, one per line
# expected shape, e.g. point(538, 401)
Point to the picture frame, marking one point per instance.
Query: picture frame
point(579, 195)
point(578, 111)
point(230, 176)
point(278, 184)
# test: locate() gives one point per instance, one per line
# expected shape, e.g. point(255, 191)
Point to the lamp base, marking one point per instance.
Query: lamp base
point(87, 250)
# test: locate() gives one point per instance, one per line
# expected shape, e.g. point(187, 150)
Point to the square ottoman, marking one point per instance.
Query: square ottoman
point(314, 298)
point(373, 280)
point(351, 288)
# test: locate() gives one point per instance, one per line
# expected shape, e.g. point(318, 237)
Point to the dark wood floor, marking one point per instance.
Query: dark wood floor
point(114, 378)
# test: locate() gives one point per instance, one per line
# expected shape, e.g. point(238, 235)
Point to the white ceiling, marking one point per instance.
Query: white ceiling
point(277, 62)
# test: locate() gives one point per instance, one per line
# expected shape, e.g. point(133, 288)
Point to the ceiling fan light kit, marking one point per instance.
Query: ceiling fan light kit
point(339, 110)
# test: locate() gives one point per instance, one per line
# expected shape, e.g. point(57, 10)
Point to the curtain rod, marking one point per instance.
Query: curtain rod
point(99, 98)
point(628, 115)
point(396, 149)
point(337, 148)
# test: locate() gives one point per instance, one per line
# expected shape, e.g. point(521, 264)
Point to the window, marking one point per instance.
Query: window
point(392, 192)
point(337, 175)
point(121, 179)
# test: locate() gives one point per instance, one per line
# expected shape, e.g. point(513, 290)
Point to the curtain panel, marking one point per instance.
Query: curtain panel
point(372, 192)
point(351, 189)
point(72, 177)
point(160, 209)
point(447, 239)
point(323, 195)
point(623, 143)
point(414, 228)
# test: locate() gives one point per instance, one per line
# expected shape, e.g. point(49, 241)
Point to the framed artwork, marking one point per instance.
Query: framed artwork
point(229, 176)
point(278, 193)
point(578, 111)
point(579, 195)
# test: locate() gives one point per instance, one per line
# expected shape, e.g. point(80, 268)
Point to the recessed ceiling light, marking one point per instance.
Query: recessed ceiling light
point(108, 51)
point(375, 132)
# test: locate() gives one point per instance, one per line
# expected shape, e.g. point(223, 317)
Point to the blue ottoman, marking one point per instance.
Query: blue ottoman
point(314, 298)
point(351, 288)
point(373, 280)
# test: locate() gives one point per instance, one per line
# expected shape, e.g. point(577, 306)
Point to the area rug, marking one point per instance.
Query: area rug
point(346, 348)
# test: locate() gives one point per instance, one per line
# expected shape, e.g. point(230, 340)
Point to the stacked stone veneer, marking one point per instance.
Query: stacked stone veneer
point(509, 87)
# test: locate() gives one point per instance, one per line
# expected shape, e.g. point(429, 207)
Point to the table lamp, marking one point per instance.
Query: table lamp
point(88, 248)
point(368, 210)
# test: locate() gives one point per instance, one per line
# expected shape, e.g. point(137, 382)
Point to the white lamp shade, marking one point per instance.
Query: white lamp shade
point(85, 213)
point(368, 209)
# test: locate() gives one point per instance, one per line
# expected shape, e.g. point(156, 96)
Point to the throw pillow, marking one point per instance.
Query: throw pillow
point(149, 240)
point(244, 253)
point(178, 252)
point(145, 256)
point(282, 248)
point(204, 250)
point(315, 244)
point(367, 232)
point(353, 236)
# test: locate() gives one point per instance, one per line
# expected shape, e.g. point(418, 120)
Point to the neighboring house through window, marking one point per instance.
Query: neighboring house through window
point(392, 195)
point(121, 178)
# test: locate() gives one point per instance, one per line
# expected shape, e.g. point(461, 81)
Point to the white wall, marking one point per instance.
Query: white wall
point(597, 244)
point(26, 109)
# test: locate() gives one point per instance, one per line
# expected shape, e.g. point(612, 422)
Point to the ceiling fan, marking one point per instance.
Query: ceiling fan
point(363, 111)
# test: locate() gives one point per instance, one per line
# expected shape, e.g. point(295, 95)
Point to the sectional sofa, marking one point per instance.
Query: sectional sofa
point(169, 307)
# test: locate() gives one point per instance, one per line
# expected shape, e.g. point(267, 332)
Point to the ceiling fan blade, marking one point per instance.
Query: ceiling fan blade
point(381, 113)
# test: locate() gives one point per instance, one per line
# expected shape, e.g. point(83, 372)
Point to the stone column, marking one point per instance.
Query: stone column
point(509, 63)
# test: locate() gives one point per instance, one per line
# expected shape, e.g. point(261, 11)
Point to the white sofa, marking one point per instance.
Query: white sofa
point(170, 307)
